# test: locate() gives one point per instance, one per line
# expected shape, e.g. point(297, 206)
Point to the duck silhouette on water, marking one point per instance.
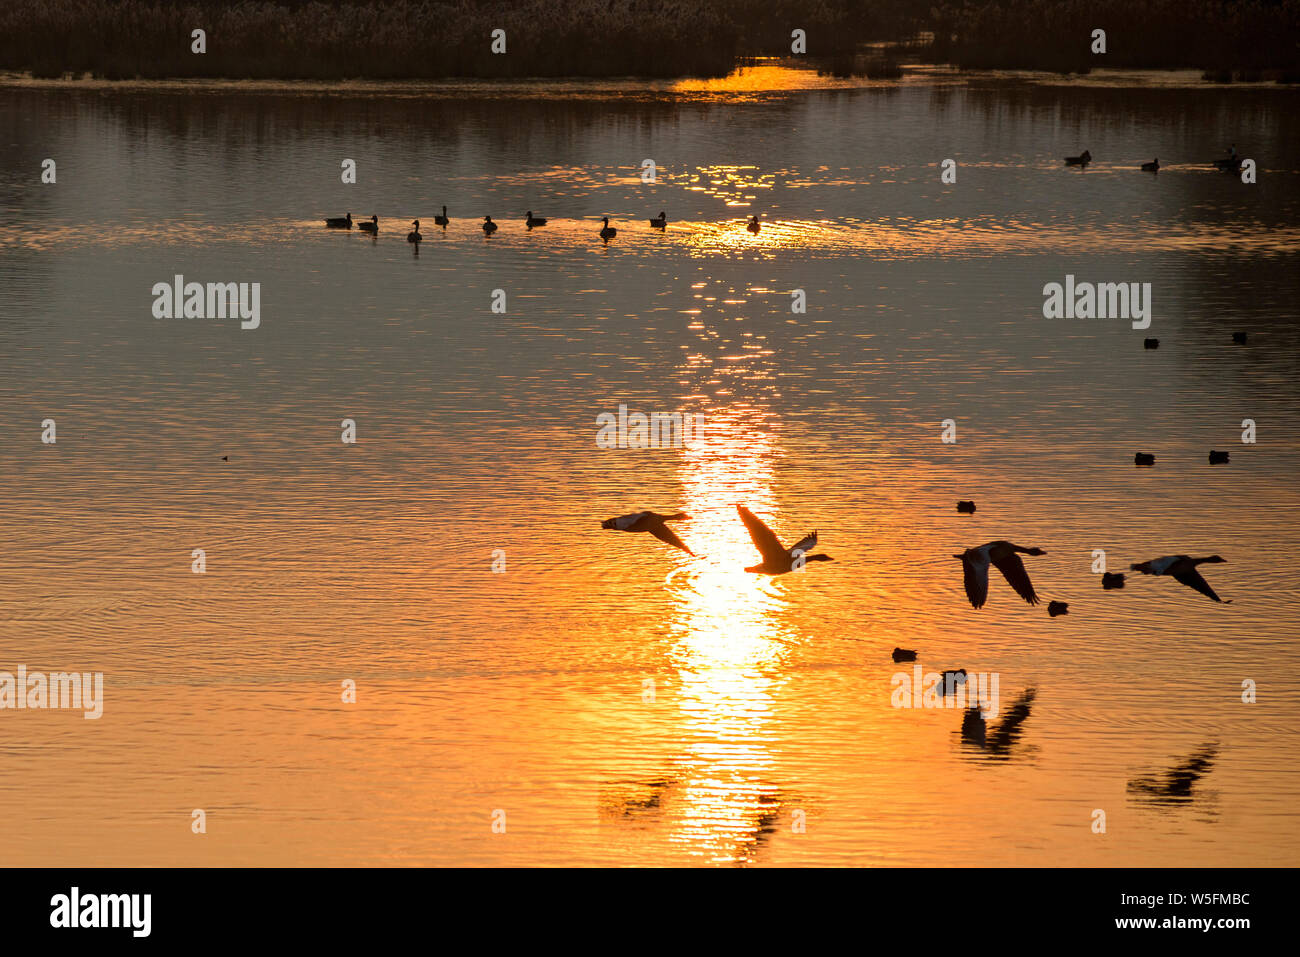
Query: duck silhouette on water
point(371, 227)
point(339, 222)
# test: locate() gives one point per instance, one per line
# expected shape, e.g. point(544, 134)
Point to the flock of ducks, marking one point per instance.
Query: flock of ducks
point(1230, 164)
point(607, 232)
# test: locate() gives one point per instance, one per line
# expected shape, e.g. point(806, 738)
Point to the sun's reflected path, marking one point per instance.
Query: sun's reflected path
point(731, 644)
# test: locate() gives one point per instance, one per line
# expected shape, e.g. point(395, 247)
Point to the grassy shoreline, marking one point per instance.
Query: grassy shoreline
point(664, 39)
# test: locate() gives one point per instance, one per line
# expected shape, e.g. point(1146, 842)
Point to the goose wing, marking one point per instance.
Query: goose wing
point(1192, 579)
point(976, 576)
point(765, 540)
point(805, 544)
point(1013, 570)
point(666, 534)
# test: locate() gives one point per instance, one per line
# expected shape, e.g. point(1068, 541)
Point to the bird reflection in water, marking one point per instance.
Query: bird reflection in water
point(1174, 786)
point(999, 741)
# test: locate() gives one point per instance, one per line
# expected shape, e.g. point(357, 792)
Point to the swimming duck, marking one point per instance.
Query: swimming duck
point(339, 222)
point(651, 522)
point(1152, 167)
point(1182, 569)
point(1232, 163)
point(966, 508)
point(414, 235)
point(1150, 343)
point(442, 220)
point(949, 681)
point(489, 227)
point(1239, 338)
point(1218, 458)
point(1082, 159)
point(608, 232)
point(753, 226)
point(975, 570)
point(532, 220)
point(904, 654)
point(1055, 608)
point(370, 227)
point(1144, 458)
point(1110, 580)
point(661, 222)
point(777, 559)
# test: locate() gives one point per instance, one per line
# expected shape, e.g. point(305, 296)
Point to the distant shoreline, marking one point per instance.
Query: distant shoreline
point(514, 40)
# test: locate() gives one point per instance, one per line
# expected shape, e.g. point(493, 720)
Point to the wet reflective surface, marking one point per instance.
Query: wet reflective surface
point(620, 701)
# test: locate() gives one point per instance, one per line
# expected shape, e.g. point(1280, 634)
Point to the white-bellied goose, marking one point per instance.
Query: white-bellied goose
point(651, 522)
point(975, 570)
point(1182, 568)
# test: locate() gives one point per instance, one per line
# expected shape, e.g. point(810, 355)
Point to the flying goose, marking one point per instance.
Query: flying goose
point(370, 227)
point(753, 226)
point(608, 232)
point(414, 235)
point(1182, 569)
point(442, 220)
point(339, 222)
point(651, 522)
point(532, 220)
point(1152, 167)
point(661, 222)
point(777, 559)
point(1081, 160)
point(975, 570)
point(489, 227)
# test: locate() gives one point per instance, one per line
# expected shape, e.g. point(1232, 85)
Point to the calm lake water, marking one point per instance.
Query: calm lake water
point(770, 737)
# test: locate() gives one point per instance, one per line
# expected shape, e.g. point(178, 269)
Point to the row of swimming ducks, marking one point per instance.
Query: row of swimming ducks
point(607, 232)
point(779, 559)
point(1231, 164)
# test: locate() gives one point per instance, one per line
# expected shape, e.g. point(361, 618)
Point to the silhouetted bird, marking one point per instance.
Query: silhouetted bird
point(532, 220)
point(339, 222)
point(414, 235)
point(999, 741)
point(607, 232)
point(903, 654)
point(1150, 343)
point(1082, 159)
point(1152, 167)
point(777, 559)
point(1055, 608)
point(661, 221)
point(975, 569)
point(1109, 581)
point(651, 522)
point(967, 508)
point(1239, 338)
point(370, 227)
point(753, 226)
point(489, 227)
point(1144, 458)
point(441, 220)
point(1182, 568)
point(1218, 458)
